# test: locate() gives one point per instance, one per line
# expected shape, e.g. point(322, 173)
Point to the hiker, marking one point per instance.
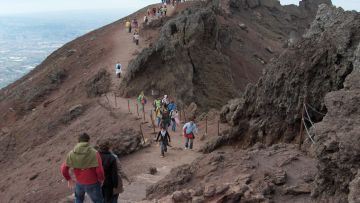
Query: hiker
point(157, 104)
point(171, 106)
point(135, 23)
point(165, 119)
point(110, 170)
point(165, 101)
point(128, 26)
point(136, 38)
point(146, 20)
point(164, 138)
point(174, 115)
point(87, 167)
point(189, 131)
point(118, 70)
point(142, 101)
point(165, 10)
point(121, 175)
point(158, 116)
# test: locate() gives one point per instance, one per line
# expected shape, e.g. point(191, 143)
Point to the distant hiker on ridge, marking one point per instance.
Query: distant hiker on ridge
point(189, 131)
point(128, 26)
point(136, 38)
point(118, 70)
point(87, 166)
point(164, 138)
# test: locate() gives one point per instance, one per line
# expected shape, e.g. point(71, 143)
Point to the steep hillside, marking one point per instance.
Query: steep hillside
point(219, 44)
point(321, 72)
point(43, 112)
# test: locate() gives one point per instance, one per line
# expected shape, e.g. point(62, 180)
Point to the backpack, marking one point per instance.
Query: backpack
point(143, 100)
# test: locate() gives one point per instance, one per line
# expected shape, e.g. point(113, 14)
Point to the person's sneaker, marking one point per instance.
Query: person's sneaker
point(162, 156)
point(185, 148)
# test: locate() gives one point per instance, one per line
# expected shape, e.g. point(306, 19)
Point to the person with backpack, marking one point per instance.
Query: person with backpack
point(110, 169)
point(165, 101)
point(118, 70)
point(165, 118)
point(87, 167)
point(157, 104)
point(174, 119)
point(189, 131)
point(164, 138)
point(171, 106)
point(142, 101)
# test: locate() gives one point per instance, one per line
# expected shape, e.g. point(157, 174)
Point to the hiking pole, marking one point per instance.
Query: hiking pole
point(142, 134)
point(302, 123)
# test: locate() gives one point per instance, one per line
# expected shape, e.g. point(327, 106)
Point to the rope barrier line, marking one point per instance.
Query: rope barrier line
point(312, 108)
point(308, 116)
point(307, 132)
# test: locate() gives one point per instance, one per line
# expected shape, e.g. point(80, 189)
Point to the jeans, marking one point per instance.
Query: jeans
point(93, 190)
point(115, 198)
point(163, 147)
point(189, 143)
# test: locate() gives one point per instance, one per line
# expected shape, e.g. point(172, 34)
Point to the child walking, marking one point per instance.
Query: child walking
point(164, 139)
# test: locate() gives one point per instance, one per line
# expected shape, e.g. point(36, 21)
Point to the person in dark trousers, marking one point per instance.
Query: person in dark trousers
point(110, 170)
point(164, 138)
point(87, 167)
point(165, 119)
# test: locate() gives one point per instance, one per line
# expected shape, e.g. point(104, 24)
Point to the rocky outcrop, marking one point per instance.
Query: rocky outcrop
point(338, 140)
point(207, 56)
point(251, 175)
point(322, 60)
point(125, 142)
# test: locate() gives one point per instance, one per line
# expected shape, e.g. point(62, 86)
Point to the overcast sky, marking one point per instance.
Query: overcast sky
point(31, 6)
point(345, 4)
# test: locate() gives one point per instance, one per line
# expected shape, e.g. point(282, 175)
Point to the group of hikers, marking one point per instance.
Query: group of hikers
point(167, 115)
point(97, 171)
point(133, 25)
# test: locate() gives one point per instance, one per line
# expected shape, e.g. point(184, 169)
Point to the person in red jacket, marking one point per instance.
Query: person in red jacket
point(88, 170)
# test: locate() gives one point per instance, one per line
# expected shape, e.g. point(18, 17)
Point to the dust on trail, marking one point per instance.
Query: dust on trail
point(137, 164)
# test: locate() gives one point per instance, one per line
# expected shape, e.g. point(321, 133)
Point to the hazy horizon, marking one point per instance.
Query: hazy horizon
point(16, 7)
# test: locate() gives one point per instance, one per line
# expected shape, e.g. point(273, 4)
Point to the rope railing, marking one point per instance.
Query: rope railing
point(306, 117)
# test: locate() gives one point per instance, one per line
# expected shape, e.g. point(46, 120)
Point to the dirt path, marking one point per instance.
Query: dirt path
point(137, 165)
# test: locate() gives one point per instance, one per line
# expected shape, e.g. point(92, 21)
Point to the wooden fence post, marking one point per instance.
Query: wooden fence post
point(137, 109)
point(129, 106)
point(115, 100)
point(142, 134)
point(218, 127)
point(152, 121)
point(302, 123)
point(206, 125)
